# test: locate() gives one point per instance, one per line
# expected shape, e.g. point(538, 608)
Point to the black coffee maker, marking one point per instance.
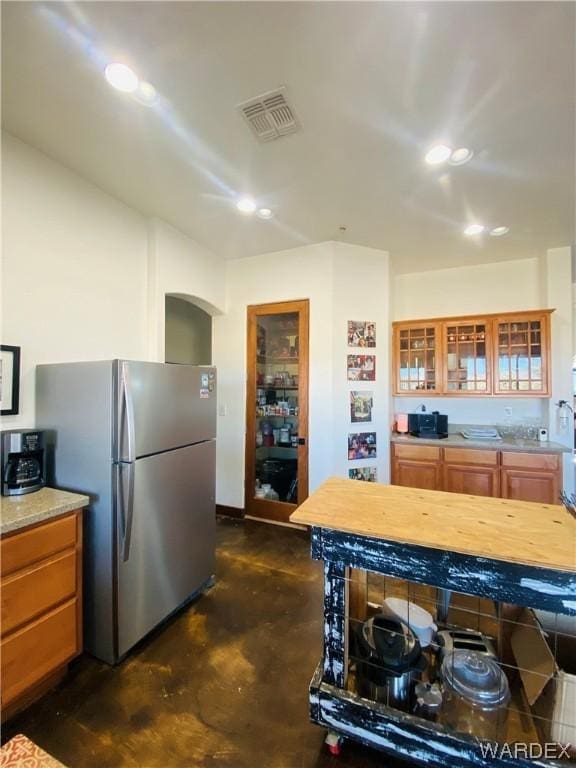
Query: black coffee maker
point(23, 461)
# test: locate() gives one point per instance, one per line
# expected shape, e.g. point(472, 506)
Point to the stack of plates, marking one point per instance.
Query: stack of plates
point(481, 433)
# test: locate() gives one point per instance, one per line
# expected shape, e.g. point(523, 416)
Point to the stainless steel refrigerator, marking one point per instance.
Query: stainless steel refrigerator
point(139, 439)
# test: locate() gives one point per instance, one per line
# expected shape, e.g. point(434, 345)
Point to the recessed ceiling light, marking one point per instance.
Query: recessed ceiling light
point(499, 231)
point(265, 213)
point(460, 156)
point(146, 93)
point(246, 205)
point(474, 229)
point(121, 77)
point(438, 154)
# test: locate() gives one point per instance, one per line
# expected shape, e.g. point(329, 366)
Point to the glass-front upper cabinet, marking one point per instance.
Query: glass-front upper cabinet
point(522, 351)
point(417, 358)
point(506, 354)
point(467, 357)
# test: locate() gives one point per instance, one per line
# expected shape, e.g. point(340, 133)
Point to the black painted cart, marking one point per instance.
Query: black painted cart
point(508, 551)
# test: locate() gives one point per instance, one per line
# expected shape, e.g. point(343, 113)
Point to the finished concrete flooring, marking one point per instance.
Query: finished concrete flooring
point(224, 684)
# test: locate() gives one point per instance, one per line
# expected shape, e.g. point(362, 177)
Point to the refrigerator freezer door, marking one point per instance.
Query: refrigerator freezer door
point(161, 407)
point(171, 538)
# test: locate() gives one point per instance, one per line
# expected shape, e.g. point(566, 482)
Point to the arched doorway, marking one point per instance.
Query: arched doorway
point(187, 331)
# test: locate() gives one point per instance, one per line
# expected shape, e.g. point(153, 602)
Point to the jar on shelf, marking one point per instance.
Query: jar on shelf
point(267, 433)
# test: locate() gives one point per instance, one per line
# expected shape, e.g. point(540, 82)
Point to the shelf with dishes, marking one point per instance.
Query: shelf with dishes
point(265, 359)
point(274, 387)
point(276, 451)
point(277, 430)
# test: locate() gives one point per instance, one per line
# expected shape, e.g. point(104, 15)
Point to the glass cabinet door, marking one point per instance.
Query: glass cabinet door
point(521, 355)
point(276, 438)
point(466, 357)
point(417, 359)
point(276, 455)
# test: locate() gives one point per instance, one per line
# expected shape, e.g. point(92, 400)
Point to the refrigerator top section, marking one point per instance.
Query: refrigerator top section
point(162, 406)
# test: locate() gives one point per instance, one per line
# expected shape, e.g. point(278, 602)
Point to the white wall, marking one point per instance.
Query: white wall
point(74, 269)
point(302, 273)
point(500, 287)
point(179, 266)
point(83, 275)
point(360, 289)
point(341, 284)
point(556, 287)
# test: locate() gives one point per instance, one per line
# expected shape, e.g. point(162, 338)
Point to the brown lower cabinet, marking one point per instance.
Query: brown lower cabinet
point(532, 477)
point(466, 470)
point(417, 466)
point(501, 474)
point(41, 607)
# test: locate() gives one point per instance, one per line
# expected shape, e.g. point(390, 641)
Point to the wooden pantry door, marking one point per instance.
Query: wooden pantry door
point(277, 409)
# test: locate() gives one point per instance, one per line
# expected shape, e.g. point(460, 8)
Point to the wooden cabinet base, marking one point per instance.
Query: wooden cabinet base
point(31, 653)
point(477, 481)
point(417, 474)
point(41, 605)
point(529, 485)
point(500, 474)
point(34, 693)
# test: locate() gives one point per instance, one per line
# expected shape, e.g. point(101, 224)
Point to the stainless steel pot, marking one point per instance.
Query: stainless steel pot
point(390, 659)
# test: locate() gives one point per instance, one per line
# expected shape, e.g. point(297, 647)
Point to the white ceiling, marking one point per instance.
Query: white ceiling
point(373, 85)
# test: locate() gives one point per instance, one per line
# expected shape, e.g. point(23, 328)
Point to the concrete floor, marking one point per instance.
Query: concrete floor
point(222, 685)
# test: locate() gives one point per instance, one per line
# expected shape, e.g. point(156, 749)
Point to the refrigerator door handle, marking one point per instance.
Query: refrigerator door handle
point(129, 513)
point(125, 501)
point(128, 402)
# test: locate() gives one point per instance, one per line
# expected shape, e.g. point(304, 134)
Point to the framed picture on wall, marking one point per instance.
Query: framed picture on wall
point(367, 474)
point(361, 333)
point(362, 445)
point(361, 368)
point(9, 380)
point(361, 406)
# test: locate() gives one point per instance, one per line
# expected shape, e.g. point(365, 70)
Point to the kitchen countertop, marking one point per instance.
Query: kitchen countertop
point(21, 511)
point(501, 529)
point(455, 440)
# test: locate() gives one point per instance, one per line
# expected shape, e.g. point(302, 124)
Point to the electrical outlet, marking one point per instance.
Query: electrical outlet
point(508, 410)
point(223, 410)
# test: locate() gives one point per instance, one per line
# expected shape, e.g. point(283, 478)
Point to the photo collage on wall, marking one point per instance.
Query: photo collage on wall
point(362, 367)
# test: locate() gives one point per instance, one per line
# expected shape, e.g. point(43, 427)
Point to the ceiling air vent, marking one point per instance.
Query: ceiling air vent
point(269, 115)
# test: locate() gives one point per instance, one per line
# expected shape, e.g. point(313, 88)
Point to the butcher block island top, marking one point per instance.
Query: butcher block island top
point(501, 529)
point(31, 508)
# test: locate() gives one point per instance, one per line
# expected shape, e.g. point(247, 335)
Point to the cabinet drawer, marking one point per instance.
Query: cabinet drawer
point(416, 452)
point(38, 649)
point(539, 461)
point(26, 547)
point(471, 456)
point(27, 594)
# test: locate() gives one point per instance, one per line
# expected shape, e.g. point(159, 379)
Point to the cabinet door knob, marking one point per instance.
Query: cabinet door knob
point(301, 441)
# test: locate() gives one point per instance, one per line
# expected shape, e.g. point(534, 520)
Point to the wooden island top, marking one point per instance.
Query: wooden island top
point(501, 529)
